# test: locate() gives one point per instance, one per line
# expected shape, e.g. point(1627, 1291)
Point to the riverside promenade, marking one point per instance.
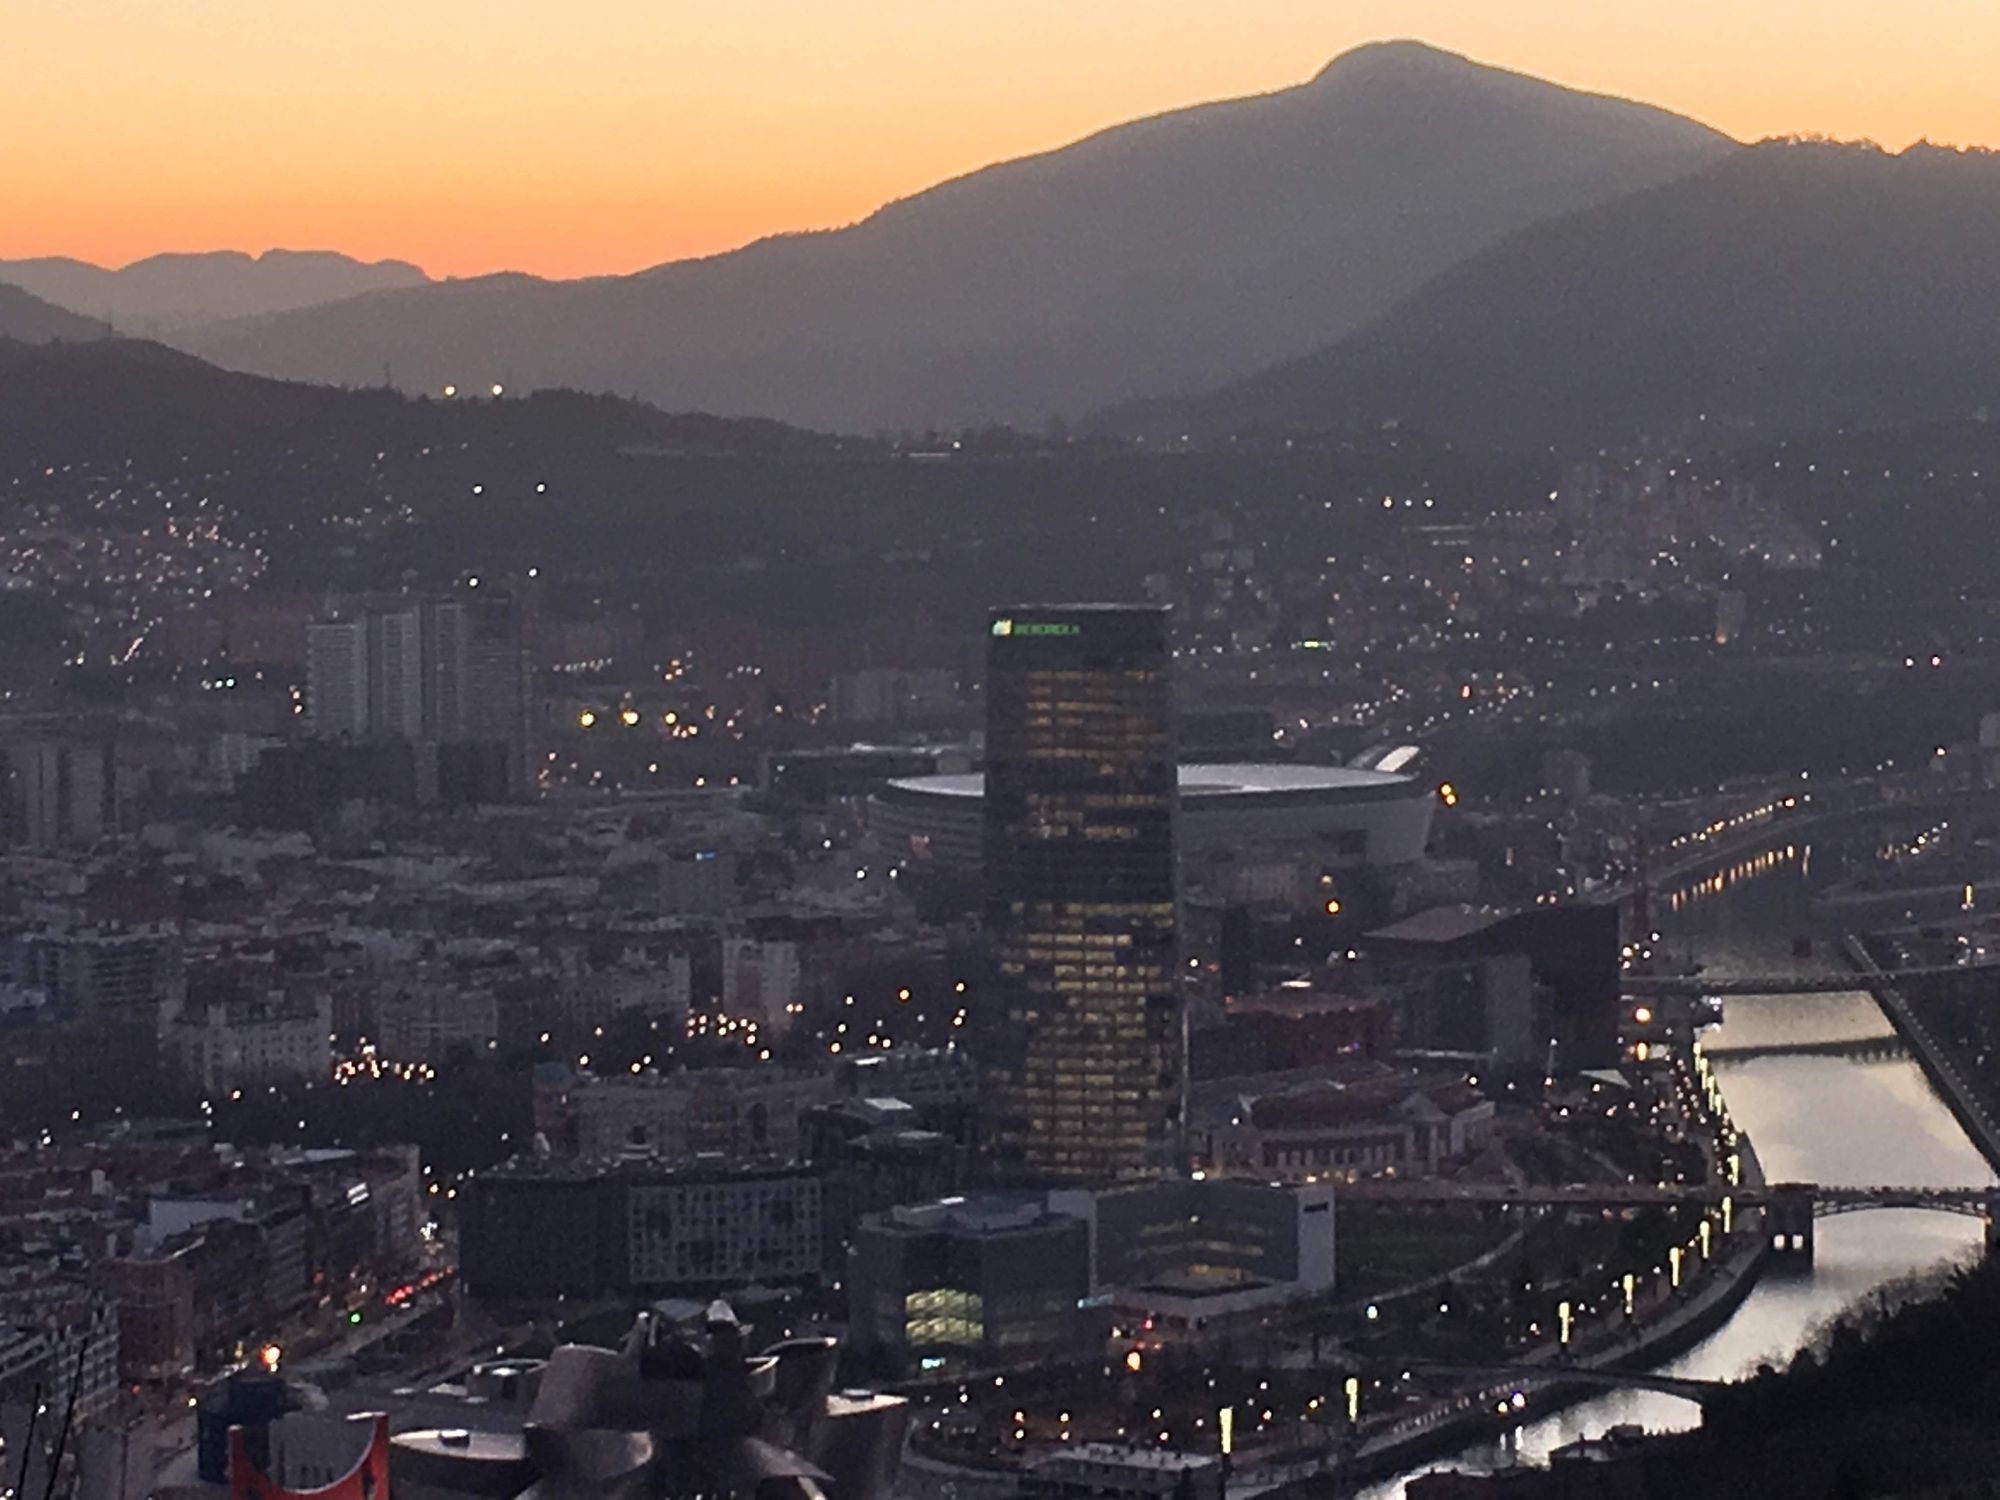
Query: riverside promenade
point(1545, 1377)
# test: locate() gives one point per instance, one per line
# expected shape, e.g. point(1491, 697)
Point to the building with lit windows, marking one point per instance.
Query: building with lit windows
point(972, 1283)
point(1012, 1278)
point(1080, 1035)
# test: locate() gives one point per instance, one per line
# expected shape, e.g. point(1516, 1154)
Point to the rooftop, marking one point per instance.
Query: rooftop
point(1202, 783)
point(986, 1213)
point(1442, 924)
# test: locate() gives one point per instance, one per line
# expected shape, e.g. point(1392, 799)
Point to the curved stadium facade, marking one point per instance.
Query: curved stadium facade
point(1346, 816)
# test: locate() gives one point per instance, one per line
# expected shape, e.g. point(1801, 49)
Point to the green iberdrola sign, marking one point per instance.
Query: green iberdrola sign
point(1035, 627)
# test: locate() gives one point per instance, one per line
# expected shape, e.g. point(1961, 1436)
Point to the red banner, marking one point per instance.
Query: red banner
point(367, 1480)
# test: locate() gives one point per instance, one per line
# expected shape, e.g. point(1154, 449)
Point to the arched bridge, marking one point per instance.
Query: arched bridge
point(1542, 1374)
point(1973, 1203)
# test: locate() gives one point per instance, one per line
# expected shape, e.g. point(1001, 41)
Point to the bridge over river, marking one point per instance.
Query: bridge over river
point(1640, 1380)
point(1887, 1048)
point(1646, 985)
point(1789, 1207)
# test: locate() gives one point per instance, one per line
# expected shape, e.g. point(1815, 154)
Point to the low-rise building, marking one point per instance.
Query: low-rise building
point(588, 994)
point(1302, 1023)
point(719, 1228)
point(973, 1283)
point(874, 1155)
point(198, 1250)
point(247, 1039)
point(932, 1079)
point(731, 1114)
point(1191, 1257)
point(635, 1227)
point(1395, 1125)
point(698, 883)
point(101, 972)
point(760, 981)
point(57, 1337)
point(154, 1295)
point(1107, 1471)
point(424, 1022)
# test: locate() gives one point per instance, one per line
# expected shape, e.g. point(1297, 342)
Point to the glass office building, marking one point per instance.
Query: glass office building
point(1081, 1038)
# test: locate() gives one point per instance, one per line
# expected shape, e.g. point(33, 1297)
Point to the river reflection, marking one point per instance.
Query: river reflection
point(1814, 1119)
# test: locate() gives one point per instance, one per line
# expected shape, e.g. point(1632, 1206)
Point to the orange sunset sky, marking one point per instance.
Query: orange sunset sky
point(606, 135)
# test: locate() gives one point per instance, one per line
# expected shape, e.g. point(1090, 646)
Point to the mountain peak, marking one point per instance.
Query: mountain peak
point(1155, 257)
point(180, 289)
point(1397, 57)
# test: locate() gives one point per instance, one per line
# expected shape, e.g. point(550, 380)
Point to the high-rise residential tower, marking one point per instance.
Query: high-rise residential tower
point(337, 678)
point(446, 673)
point(1081, 1036)
point(396, 677)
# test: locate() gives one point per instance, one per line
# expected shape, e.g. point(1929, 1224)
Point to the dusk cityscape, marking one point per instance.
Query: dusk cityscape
point(878, 751)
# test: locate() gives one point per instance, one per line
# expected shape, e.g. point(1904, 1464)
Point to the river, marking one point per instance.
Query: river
point(1813, 1119)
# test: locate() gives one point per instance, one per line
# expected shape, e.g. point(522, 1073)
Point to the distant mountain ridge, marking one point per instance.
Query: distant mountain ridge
point(29, 319)
point(167, 293)
point(1788, 287)
point(84, 400)
point(1163, 256)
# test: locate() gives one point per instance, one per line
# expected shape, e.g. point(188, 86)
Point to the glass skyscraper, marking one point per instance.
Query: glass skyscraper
point(1081, 1037)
